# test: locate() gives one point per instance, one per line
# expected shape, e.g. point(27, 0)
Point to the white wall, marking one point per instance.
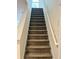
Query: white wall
point(23, 17)
point(41, 4)
point(21, 8)
point(52, 17)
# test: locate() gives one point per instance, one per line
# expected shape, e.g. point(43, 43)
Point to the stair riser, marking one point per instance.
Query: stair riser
point(38, 37)
point(37, 16)
point(41, 52)
point(37, 32)
point(38, 50)
point(38, 58)
point(37, 11)
point(37, 24)
point(42, 21)
point(37, 21)
point(37, 28)
point(41, 13)
point(37, 44)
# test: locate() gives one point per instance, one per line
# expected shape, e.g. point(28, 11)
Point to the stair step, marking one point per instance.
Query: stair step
point(37, 24)
point(37, 21)
point(33, 11)
point(37, 42)
point(32, 50)
point(37, 17)
point(38, 58)
point(37, 8)
point(38, 13)
point(38, 51)
point(42, 40)
point(38, 37)
point(37, 31)
point(36, 55)
point(37, 28)
point(41, 20)
point(38, 47)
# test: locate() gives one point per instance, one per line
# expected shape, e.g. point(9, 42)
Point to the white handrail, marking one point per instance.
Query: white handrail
point(54, 38)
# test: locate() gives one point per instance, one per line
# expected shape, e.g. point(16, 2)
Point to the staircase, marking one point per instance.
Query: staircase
point(37, 43)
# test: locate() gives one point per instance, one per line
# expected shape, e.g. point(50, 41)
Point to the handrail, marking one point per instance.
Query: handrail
point(54, 38)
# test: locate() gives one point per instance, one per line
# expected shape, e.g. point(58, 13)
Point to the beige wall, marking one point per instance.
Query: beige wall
point(52, 17)
point(23, 8)
point(53, 9)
